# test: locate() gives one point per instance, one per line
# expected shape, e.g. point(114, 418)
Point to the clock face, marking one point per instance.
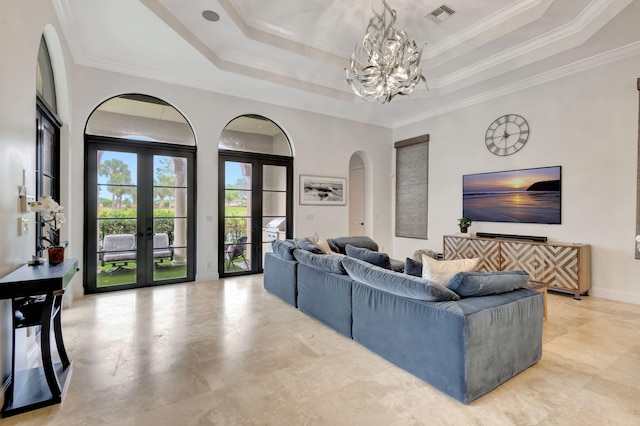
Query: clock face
point(507, 135)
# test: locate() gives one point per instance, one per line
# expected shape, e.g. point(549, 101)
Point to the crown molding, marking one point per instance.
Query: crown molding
point(542, 78)
point(498, 21)
point(565, 37)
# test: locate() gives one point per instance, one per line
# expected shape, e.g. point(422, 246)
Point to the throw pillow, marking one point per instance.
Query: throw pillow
point(397, 283)
point(324, 246)
point(373, 257)
point(339, 244)
point(306, 244)
point(412, 267)
point(467, 284)
point(441, 271)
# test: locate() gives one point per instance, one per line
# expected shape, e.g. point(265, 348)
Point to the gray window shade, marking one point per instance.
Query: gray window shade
point(412, 184)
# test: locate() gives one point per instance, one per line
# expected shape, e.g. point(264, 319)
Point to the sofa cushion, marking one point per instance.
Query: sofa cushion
point(324, 262)
point(339, 244)
point(467, 284)
point(412, 267)
point(334, 248)
point(396, 265)
point(283, 249)
point(397, 283)
point(308, 245)
point(370, 256)
point(280, 277)
point(441, 271)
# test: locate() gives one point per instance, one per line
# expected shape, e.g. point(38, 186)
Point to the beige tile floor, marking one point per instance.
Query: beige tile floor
point(229, 353)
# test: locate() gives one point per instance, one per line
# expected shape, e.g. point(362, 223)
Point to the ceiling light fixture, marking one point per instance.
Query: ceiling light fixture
point(386, 64)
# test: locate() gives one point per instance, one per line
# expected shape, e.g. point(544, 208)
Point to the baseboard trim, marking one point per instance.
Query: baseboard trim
point(618, 296)
point(207, 277)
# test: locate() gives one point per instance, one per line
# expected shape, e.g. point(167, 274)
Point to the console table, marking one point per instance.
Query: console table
point(36, 294)
point(563, 267)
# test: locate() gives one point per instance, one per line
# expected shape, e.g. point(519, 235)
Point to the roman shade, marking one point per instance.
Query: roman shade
point(412, 178)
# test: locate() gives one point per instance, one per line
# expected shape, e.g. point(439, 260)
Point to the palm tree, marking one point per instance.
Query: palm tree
point(165, 181)
point(119, 175)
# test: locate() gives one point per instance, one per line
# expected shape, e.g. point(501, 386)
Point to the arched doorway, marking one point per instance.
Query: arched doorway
point(255, 194)
point(140, 195)
point(357, 195)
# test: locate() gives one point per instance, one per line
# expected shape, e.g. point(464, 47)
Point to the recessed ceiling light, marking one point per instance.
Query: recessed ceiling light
point(210, 15)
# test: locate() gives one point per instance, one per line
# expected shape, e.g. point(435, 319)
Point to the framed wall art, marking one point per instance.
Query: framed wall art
point(323, 190)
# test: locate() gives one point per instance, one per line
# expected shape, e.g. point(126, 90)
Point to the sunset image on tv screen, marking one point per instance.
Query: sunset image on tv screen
point(523, 196)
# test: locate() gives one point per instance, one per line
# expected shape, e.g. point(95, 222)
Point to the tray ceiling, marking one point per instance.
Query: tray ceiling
point(293, 52)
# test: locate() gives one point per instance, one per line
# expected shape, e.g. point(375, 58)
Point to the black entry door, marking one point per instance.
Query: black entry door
point(256, 205)
point(139, 214)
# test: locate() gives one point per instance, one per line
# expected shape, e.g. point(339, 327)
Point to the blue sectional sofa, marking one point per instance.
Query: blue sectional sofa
point(463, 346)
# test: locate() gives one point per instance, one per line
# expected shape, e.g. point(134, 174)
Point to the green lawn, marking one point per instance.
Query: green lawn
point(127, 274)
point(235, 211)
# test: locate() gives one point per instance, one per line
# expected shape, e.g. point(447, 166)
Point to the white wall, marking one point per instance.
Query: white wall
point(588, 124)
point(21, 28)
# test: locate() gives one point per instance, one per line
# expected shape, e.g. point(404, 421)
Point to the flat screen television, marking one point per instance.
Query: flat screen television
point(521, 196)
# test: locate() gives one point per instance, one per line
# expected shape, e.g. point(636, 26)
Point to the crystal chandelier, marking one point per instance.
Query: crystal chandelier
point(386, 64)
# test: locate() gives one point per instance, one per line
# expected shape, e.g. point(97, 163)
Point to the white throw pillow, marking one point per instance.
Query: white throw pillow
point(324, 246)
point(441, 271)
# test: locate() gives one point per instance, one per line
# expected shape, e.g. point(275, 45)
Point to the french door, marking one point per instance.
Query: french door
point(255, 207)
point(139, 214)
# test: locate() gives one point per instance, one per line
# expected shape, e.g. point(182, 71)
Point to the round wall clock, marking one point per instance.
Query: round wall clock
point(507, 134)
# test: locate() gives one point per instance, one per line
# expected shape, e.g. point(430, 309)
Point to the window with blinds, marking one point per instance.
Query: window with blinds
point(412, 187)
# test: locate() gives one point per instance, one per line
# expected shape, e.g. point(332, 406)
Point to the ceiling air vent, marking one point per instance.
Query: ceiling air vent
point(442, 13)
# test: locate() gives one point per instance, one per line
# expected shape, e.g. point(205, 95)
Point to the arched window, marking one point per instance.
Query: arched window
point(141, 118)
point(140, 195)
point(255, 134)
point(255, 194)
point(47, 136)
point(45, 84)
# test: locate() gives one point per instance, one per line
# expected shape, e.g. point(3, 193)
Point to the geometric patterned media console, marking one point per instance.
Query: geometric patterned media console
point(564, 267)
